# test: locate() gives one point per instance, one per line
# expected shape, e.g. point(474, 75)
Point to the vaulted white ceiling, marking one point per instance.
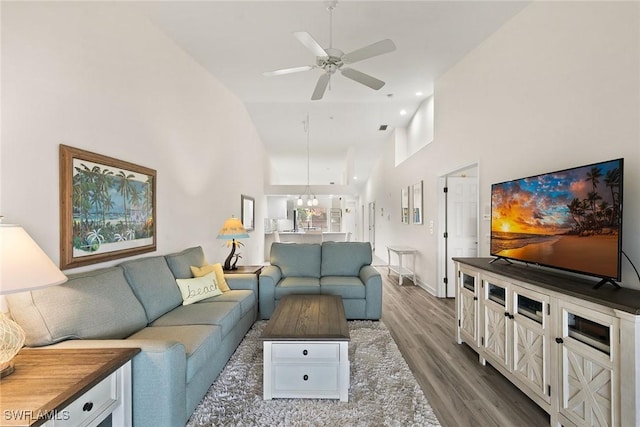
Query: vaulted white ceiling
point(238, 40)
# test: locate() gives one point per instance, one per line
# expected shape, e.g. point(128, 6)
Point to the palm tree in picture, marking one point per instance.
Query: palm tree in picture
point(103, 183)
point(593, 177)
point(592, 198)
point(612, 180)
point(125, 188)
point(576, 211)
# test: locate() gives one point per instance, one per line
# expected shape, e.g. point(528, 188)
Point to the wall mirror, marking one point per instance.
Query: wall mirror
point(404, 205)
point(247, 212)
point(417, 203)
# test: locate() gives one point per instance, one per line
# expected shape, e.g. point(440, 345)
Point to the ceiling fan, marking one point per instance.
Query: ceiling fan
point(331, 59)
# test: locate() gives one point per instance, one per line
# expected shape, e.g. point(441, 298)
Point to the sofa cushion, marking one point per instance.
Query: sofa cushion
point(198, 288)
point(348, 287)
point(297, 285)
point(224, 314)
point(297, 259)
point(201, 342)
point(180, 262)
point(345, 258)
point(97, 304)
point(246, 298)
point(212, 268)
point(153, 284)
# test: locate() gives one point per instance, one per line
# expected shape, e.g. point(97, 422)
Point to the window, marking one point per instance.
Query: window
point(312, 218)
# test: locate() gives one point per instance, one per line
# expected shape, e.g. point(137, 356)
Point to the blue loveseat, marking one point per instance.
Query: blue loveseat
point(138, 304)
point(333, 268)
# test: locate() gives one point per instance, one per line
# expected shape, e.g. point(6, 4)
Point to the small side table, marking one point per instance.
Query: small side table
point(246, 269)
point(68, 387)
point(402, 271)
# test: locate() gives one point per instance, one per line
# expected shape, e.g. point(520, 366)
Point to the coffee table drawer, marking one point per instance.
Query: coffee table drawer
point(305, 378)
point(305, 352)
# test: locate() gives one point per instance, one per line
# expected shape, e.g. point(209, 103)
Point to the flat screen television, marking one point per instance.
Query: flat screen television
point(569, 220)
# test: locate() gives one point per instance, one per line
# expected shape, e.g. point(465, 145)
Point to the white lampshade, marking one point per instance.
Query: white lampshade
point(23, 265)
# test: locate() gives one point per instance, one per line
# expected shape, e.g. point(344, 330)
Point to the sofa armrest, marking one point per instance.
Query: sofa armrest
point(373, 290)
point(269, 278)
point(158, 378)
point(247, 282)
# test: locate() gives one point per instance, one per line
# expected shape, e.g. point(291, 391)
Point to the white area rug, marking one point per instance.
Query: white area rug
point(383, 390)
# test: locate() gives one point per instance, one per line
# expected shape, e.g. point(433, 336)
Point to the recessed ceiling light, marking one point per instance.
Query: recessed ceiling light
point(418, 93)
point(355, 177)
point(403, 112)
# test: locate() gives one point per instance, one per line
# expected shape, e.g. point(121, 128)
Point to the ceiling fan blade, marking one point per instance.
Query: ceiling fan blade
point(321, 87)
point(288, 71)
point(379, 48)
point(362, 78)
point(310, 43)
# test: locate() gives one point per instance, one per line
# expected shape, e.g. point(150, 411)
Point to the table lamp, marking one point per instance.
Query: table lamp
point(23, 267)
point(232, 229)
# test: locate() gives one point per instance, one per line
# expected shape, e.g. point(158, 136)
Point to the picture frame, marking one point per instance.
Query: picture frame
point(247, 212)
point(107, 208)
point(404, 205)
point(417, 203)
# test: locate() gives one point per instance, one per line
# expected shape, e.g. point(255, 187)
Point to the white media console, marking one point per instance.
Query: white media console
point(572, 349)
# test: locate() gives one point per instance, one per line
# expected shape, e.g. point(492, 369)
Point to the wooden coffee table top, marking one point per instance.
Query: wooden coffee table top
point(308, 318)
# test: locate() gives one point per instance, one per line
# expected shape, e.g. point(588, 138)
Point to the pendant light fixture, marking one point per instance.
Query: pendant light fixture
point(311, 198)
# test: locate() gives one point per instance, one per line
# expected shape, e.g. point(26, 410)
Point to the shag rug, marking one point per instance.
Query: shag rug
point(383, 391)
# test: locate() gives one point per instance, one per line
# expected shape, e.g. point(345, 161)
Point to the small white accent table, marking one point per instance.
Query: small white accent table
point(401, 269)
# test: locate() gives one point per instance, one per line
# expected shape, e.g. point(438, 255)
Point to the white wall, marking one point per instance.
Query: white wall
point(557, 86)
point(97, 77)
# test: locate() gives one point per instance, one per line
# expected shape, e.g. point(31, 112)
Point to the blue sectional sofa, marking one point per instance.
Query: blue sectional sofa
point(333, 268)
point(138, 304)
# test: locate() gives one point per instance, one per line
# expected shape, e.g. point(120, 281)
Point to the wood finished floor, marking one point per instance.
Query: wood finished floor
point(461, 391)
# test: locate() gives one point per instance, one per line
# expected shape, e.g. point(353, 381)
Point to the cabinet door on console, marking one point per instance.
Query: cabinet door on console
point(588, 353)
point(467, 306)
point(497, 331)
point(531, 353)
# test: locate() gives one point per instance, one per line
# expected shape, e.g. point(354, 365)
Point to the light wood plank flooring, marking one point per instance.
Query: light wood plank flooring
point(461, 391)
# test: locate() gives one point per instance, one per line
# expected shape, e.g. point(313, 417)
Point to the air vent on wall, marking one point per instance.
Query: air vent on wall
point(383, 127)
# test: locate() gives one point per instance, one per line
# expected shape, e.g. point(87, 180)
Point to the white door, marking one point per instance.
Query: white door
point(372, 225)
point(462, 223)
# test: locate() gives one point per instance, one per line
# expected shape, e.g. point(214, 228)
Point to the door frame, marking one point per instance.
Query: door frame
point(372, 225)
point(442, 273)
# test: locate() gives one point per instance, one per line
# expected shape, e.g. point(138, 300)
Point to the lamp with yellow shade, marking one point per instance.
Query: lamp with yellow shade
point(23, 267)
point(232, 229)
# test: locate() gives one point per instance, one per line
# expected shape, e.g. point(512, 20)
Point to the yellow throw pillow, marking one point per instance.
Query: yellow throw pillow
point(199, 288)
point(212, 268)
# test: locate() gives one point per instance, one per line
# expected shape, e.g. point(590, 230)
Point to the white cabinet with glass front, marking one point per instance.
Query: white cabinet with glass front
point(570, 348)
point(515, 338)
point(467, 309)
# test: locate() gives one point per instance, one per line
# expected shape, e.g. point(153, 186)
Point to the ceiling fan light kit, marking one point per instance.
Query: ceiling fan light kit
point(331, 60)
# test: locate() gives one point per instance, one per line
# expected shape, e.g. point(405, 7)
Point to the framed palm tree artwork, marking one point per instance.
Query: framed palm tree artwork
point(107, 208)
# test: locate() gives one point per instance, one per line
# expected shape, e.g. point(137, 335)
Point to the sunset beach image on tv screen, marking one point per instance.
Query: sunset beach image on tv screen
point(569, 219)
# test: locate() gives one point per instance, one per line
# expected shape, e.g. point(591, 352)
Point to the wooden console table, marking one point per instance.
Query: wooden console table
point(68, 387)
point(401, 269)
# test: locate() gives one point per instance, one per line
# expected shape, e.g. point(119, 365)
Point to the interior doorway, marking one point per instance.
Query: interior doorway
point(459, 223)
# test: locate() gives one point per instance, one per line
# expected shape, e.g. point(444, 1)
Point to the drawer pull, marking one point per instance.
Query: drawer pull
point(87, 406)
point(305, 352)
point(306, 377)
